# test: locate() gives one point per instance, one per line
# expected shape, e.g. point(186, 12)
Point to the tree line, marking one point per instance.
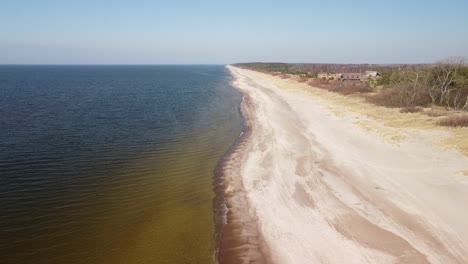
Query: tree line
point(444, 83)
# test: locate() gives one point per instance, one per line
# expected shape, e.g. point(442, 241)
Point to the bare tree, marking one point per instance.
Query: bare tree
point(443, 82)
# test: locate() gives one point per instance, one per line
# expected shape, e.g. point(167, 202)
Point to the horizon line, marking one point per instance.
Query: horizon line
point(203, 64)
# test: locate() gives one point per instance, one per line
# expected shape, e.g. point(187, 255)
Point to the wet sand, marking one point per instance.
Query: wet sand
point(305, 185)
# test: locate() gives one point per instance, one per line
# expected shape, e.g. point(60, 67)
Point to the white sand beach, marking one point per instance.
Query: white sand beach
point(325, 190)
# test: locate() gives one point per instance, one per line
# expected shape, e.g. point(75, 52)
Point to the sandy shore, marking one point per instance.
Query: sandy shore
point(313, 186)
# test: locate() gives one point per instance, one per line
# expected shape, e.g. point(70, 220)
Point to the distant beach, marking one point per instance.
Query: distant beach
point(314, 180)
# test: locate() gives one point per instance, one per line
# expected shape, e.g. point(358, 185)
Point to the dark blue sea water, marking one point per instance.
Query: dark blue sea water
point(111, 164)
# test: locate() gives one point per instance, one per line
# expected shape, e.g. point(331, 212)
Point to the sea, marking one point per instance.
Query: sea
point(112, 164)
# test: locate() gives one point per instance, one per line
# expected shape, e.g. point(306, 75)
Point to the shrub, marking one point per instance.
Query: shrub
point(400, 96)
point(317, 82)
point(458, 98)
point(387, 97)
point(355, 87)
point(344, 88)
point(385, 79)
point(454, 121)
point(411, 109)
point(436, 112)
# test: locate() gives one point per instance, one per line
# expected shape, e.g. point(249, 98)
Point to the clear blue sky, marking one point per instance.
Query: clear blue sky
point(221, 32)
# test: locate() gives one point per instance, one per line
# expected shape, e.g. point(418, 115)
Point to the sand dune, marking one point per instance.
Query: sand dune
point(323, 190)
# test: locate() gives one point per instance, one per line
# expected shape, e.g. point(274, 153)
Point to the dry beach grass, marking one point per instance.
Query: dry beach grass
point(390, 118)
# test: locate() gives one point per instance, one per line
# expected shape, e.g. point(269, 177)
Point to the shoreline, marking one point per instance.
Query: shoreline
point(237, 235)
point(300, 168)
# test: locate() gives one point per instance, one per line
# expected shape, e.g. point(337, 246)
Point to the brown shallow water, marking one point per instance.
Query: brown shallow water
point(166, 219)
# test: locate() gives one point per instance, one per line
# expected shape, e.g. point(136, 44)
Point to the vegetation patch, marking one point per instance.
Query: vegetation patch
point(436, 112)
point(411, 109)
point(345, 88)
point(454, 121)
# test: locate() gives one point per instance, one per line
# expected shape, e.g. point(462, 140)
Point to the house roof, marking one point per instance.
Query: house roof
point(372, 73)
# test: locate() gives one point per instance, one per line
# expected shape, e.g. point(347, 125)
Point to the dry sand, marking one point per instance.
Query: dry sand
point(320, 188)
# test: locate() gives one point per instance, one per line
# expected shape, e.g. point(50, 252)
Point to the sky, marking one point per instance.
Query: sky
point(224, 32)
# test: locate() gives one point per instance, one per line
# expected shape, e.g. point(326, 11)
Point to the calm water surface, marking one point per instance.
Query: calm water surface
point(111, 164)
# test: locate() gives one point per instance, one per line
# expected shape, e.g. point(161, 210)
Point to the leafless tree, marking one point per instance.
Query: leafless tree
point(444, 75)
